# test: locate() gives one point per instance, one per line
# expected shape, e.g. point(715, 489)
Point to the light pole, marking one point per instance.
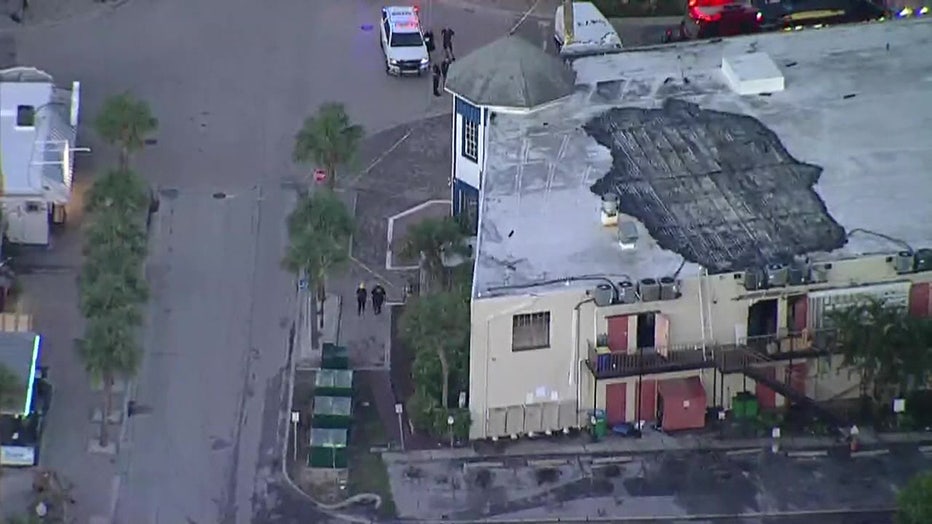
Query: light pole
point(399, 409)
point(295, 418)
point(450, 425)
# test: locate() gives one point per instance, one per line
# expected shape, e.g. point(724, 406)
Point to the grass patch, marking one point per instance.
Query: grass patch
point(640, 8)
point(367, 473)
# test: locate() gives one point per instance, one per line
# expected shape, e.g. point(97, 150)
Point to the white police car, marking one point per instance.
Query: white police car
point(402, 42)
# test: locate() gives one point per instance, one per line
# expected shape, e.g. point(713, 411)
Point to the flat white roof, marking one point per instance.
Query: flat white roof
point(834, 166)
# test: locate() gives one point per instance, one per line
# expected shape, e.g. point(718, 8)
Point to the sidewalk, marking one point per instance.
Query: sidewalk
point(50, 12)
point(534, 8)
point(653, 442)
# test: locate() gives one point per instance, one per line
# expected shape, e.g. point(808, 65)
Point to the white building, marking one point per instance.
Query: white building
point(38, 127)
point(670, 231)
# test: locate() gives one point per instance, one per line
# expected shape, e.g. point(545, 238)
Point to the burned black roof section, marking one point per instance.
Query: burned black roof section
point(719, 189)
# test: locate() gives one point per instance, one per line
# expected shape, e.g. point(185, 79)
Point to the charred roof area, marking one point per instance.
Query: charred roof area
point(717, 188)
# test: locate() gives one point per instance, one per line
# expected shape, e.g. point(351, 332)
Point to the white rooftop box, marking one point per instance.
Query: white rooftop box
point(752, 74)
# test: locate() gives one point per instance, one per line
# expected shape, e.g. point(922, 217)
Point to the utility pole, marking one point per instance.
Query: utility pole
point(569, 23)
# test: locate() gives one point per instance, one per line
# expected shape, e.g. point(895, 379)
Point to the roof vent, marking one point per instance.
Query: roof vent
point(627, 234)
point(609, 209)
point(752, 74)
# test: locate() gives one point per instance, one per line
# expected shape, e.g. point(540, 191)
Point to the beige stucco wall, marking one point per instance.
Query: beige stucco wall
point(502, 378)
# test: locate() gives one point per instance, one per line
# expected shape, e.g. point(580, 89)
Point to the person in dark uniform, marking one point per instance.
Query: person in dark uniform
point(436, 79)
point(446, 34)
point(444, 69)
point(429, 43)
point(378, 298)
point(361, 297)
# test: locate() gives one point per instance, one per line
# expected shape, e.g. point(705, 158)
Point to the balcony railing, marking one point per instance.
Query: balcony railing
point(787, 344)
point(605, 364)
point(728, 358)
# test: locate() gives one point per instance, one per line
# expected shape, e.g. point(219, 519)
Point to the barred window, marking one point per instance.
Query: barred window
point(471, 139)
point(530, 331)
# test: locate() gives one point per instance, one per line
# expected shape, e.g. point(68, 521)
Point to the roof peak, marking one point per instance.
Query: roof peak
point(510, 72)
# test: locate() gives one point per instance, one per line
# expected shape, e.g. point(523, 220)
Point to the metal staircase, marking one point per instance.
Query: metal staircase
point(757, 374)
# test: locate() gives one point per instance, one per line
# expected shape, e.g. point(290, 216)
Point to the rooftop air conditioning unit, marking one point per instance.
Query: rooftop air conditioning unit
point(603, 295)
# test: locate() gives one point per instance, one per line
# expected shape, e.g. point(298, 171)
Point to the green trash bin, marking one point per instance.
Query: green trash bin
point(598, 425)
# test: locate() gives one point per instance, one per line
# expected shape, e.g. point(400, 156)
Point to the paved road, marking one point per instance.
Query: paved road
point(230, 81)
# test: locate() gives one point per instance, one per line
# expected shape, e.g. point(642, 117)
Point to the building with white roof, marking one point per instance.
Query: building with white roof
point(670, 230)
point(38, 128)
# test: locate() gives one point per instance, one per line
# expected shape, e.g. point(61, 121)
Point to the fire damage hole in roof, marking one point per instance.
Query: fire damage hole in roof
point(717, 188)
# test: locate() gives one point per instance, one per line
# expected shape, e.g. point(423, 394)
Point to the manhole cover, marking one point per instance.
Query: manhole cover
point(220, 196)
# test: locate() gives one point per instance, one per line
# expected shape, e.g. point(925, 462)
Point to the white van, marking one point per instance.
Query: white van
point(593, 33)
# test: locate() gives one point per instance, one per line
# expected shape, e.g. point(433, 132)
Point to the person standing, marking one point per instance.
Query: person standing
point(444, 69)
point(378, 298)
point(436, 78)
point(361, 297)
point(429, 43)
point(446, 34)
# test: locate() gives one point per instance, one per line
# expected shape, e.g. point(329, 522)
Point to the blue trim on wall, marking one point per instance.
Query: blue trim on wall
point(462, 191)
point(469, 111)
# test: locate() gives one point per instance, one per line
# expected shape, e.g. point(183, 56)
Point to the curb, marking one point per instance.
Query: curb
point(803, 451)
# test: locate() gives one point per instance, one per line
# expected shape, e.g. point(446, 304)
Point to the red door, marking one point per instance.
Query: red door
point(615, 402)
point(766, 397)
point(648, 400)
point(800, 314)
point(919, 299)
point(618, 334)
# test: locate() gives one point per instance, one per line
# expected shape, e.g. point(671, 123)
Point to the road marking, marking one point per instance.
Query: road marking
point(524, 17)
point(546, 463)
point(618, 459)
point(870, 453)
point(737, 452)
point(808, 454)
point(467, 466)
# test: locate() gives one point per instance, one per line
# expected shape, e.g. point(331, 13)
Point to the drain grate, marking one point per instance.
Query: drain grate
point(219, 195)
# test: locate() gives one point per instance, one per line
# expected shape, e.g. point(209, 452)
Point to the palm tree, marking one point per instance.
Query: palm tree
point(109, 351)
point(429, 239)
point(120, 189)
point(319, 231)
point(113, 233)
point(127, 122)
point(438, 323)
point(109, 292)
point(328, 139)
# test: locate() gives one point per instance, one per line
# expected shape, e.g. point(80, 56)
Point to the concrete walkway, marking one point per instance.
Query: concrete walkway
point(42, 13)
point(655, 442)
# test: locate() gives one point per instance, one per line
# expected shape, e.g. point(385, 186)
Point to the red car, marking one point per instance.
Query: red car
point(716, 18)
